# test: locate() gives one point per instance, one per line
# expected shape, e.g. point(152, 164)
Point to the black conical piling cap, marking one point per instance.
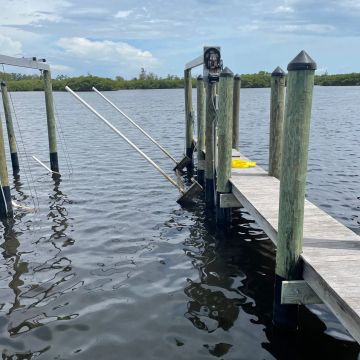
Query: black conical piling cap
point(226, 73)
point(278, 72)
point(3, 83)
point(302, 61)
point(237, 77)
point(200, 77)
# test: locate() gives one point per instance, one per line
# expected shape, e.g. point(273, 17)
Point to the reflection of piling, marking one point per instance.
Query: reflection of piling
point(54, 163)
point(210, 145)
point(277, 106)
point(236, 112)
point(5, 196)
point(224, 132)
point(189, 117)
point(10, 129)
point(292, 182)
point(201, 130)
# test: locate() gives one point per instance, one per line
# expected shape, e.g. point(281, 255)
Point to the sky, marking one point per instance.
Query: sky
point(117, 38)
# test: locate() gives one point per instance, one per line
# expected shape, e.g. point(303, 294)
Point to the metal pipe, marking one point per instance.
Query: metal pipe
point(136, 125)
point(43, 165)
point(112, 127)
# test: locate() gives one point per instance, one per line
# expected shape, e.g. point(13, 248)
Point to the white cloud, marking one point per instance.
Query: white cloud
point(60, 68)
point(122, 14)
point(25, 12)
point(9, 46)
point(284, 9)
point(109, 52)
point(89, 11)
point(306, 28)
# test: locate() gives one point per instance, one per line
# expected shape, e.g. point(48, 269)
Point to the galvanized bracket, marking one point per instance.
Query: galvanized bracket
point(298, 292)
point(229, 201)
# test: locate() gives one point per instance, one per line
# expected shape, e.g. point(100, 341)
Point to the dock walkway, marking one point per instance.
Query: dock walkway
point(331, 251)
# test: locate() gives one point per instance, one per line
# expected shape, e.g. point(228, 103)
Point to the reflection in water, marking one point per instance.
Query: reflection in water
point(224, 296)
point(136, 283)
point(58, 270)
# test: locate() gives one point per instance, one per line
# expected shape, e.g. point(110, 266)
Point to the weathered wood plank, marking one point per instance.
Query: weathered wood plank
point(298, 292)
point(331, 252)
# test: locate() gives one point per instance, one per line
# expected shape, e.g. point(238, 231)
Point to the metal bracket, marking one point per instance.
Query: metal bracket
point(298, 292)
point(229, 201)
point(24, 62)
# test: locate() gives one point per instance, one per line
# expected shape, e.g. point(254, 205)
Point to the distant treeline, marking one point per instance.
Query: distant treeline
point(20, 82)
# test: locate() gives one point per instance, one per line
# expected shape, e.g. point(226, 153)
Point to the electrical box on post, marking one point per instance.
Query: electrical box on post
point(212, 63)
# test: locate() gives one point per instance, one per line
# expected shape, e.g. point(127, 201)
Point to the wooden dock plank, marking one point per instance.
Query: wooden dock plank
point(331, 251)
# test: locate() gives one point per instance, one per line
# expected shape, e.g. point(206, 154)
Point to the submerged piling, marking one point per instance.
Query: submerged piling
point(10, 130)
point(210, 145)
point(296, 131)
point(236, 113)
point(201, 130)
point(49, 101)
point(189, 119)
point(277, 107)
point(225, 128)
point(5, 195)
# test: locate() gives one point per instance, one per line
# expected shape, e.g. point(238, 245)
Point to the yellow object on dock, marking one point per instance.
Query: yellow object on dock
point(237, 163)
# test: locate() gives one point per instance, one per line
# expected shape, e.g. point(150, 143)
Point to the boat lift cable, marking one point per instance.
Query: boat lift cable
point(136, 125)
point(63, 141)
point(147, 158)
point(31, 185)
point(4, 198)
point(46, 167)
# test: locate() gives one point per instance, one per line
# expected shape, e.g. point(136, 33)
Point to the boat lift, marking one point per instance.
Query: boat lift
point(179, 165)
point(187, 195)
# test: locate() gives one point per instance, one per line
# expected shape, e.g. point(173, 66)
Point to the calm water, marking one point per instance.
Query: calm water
point(110, 267)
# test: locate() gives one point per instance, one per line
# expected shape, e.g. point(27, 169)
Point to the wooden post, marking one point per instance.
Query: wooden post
point(189, 118)
point(5, 195)
point(236, 112)
point(209, 145)
point(201, 130)
point(292, 182)
point(10, 130)
point(54, 162)
point(224, 131)
point(277, 106)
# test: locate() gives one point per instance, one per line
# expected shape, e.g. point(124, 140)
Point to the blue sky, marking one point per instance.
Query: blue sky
point(110, 38)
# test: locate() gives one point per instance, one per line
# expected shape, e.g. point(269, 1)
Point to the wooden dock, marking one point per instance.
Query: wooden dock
point(331, 251)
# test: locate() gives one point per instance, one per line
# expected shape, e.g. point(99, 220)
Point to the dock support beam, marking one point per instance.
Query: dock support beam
point(49, 101)
point(189, 120)
point(210, 145)
point(236, 113)
point(225, 128)
point(201, 130)
point(10, 130)
point(292, 183)
point(277, 106)
point(5, 195)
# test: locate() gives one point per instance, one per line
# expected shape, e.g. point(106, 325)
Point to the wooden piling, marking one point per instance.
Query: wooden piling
point(224, 132)
point(5, 195)
point(209, 145)
point(296, 131)
point(189, 120)
point(236, 112)
point(277, 107)
point(201, 130)
point(49, 101)
point(10, 130)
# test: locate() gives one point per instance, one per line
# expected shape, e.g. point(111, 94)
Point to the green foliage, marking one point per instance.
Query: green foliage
point(352, 79)
point(259, 80)
point(20, 82)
